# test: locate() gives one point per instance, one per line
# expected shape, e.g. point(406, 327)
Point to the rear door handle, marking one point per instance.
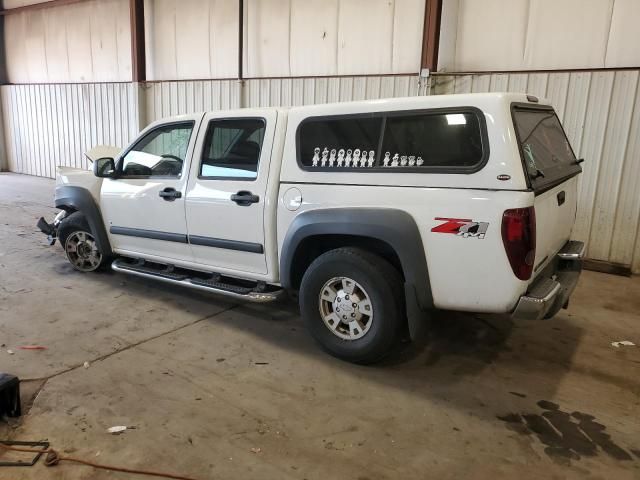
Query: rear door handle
point(561, 198)
point(244, 198)
point(170, 194)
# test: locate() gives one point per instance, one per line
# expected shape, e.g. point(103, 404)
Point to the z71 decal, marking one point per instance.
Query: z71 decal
point(462, 227)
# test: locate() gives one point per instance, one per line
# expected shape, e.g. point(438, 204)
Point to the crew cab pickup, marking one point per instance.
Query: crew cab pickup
point(371, 213)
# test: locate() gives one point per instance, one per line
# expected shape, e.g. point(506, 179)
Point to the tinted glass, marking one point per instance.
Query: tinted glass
point(159, 153)
point(546, 151)
point(450, 140)
point(339, 143)
point(232, 148)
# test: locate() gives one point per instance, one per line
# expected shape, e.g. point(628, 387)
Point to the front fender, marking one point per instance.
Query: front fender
point(80, 199)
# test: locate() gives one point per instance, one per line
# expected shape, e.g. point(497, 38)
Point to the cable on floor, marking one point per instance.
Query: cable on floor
point(54, 458)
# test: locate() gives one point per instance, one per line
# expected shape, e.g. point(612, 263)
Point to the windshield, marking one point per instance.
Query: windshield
point(546, 152)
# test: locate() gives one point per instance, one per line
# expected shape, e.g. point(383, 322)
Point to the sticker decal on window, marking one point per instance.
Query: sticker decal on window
point(529, 153)
point(336, 158)
point(462, 227)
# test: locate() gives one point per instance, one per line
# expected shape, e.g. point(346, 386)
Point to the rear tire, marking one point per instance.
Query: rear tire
point(79, 244)
point(352, 303)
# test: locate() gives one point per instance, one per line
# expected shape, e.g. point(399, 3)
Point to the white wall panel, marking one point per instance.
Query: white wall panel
point(20, 3)
point(191, 39)
point(601, 115)
point(624, 35)
point(407, 35)
point(110, 40)
point(267, 29)
point(490, 34)
point(567, 33)
point(78, 46)
point(55, 42)
point(539, 34)
point(365, 40)
point(34, 49)
point(314, 28)
point(81, 42)
point(329, 37)
point(50, 125)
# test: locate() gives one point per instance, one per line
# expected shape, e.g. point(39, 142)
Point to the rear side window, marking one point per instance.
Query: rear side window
point(232, 148)
point(546, 152)
point(342, 142)
point(440, 141)
point(450, 140)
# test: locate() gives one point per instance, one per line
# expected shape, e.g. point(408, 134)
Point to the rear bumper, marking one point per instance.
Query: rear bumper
point(551, 290)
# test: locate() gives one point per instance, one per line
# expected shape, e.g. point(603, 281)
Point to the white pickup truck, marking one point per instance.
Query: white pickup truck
point(372, 213)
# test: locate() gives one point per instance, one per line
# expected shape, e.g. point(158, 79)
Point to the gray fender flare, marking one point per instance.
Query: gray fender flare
point(394, 227)
point(80, 199)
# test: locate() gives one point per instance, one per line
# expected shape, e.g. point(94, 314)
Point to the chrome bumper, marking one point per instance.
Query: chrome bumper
point(553, 287)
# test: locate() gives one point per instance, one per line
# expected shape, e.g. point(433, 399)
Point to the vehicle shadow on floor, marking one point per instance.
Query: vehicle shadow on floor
point(465, 358)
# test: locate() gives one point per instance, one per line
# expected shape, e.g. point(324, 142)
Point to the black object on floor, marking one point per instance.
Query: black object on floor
point(22, 463)
point(9, 396)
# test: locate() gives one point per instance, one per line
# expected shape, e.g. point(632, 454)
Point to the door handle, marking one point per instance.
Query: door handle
point(170, 194)
point(244, 198)
point(561, 198)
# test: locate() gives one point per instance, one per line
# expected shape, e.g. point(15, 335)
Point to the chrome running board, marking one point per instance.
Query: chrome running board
point(240, 293)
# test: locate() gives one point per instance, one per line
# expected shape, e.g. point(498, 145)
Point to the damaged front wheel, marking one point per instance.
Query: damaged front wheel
point(79, 244)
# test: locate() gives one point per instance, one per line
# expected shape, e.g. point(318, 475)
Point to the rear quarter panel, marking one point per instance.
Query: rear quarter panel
point(466, 273)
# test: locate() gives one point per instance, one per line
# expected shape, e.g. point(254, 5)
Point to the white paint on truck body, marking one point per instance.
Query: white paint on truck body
point(467, 271)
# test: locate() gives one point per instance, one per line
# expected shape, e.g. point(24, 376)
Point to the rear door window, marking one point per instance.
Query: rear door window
point(232, 149)
point(546, 153)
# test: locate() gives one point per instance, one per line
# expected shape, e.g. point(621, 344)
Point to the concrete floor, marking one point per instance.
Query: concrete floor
point(206, 383)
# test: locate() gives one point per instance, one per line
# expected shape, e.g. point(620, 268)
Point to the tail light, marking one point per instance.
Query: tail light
point(519, 238)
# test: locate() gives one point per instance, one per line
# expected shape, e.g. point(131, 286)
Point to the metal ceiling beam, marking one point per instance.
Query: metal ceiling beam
point(38, 6)
point(138, 59)
point(431, 34)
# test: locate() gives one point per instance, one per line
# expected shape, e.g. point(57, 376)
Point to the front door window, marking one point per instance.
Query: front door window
point(160, 153)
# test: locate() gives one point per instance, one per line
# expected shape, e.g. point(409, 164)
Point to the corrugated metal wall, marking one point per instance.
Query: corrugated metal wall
point(601, 113)
point(163, 99)
point(174, 98)
point(53, 124)
point(306, 91)
point(49, 125)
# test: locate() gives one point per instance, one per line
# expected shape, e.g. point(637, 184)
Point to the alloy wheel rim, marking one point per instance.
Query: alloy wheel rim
point(82, 251)
point(346, 308)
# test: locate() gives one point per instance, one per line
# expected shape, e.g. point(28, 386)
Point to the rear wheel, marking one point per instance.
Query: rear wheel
point(79, 244)
point(351, 301)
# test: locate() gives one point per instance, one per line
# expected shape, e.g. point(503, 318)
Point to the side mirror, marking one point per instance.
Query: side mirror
point(104, 167)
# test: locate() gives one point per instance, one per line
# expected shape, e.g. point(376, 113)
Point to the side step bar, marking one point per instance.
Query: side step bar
point(212, 286)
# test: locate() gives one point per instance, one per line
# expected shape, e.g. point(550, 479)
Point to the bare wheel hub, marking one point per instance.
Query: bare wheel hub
point(82, 251)
point(346, 308)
